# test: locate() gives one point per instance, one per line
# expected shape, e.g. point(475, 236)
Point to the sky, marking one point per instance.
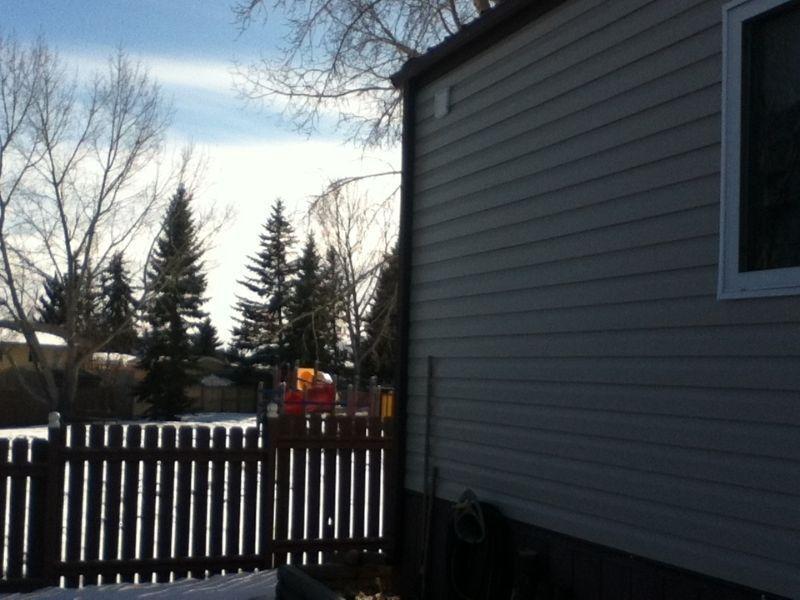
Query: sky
point(253, 155)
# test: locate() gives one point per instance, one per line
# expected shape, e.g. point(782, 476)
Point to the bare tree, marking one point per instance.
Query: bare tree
point(79, 182)
point(339, 55)
point(358, 233)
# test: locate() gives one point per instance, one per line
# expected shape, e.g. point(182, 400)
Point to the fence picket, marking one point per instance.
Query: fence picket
point(111, 524)
point(199, 526)
point(217, 497)
point(37, 508)
point(328, 485)
point(374, 430)
point(149, 483)
point(297, 525)
point(234, 494)
point(94, 495)
point(17, 510)
point(345, 428)
point(359, 478)
point(166, 513)
point(313, 493)
point(130, 498)
point(183, 498)
point(74, 521)
point(249, 498)
point(267, 492)
point(55, 500)
point(282, 491)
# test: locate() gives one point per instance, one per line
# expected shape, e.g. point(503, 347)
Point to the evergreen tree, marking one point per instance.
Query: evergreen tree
point(117, 307)
point(206, 341)
point(381, 328)
point(55, 298)
point(51, 307)
point(261, 329)
point(176, 273)
point(331, 298)
point(302, 309)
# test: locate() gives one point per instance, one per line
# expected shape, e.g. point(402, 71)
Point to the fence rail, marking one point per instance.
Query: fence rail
point(106, 503)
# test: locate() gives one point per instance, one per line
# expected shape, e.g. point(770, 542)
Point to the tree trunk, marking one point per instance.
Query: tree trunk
point(69, 389)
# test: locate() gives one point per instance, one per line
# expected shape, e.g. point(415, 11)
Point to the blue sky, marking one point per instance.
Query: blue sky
point(189, 28)
point(185, 34)
point(190, 46)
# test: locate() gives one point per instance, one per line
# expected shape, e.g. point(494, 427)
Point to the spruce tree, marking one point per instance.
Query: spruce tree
point(206, 341)
point(56, 298)
point(117, 307)
point(261, 329)
point(381, 327)
point(51, 307)
point(302, 309)
point(331, 297)
point(176, 273)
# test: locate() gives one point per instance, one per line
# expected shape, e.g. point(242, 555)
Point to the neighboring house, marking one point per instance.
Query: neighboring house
point(16, 408)
point(601, 234)
point(14, 350)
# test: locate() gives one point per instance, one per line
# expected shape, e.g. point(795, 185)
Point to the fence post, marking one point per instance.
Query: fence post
point(55, 497)
point(267, 482)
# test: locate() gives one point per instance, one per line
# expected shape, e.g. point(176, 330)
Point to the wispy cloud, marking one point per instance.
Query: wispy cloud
point(172, 72)
point(214, 76)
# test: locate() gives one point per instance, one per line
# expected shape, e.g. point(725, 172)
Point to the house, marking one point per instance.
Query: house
point(600, 235)
point(14, 350)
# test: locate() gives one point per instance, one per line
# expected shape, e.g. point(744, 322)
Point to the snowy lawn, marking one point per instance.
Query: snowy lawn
point(239, 586)
point(217, 419)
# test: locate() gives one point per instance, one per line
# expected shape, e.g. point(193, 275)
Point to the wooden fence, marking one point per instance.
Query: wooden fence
point(107, 503)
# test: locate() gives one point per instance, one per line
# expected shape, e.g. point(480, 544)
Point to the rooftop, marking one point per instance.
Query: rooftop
point(9, 336)
point(494, 24)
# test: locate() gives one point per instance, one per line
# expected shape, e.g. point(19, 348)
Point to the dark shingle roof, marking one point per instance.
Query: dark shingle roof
point(491, 26)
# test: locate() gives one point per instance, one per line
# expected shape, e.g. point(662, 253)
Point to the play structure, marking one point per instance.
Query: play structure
point(299, 390)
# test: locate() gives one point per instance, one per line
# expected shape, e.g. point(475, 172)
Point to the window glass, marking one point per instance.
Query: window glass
point(770, 161)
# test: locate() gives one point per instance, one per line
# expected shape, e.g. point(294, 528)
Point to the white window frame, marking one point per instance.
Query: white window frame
point(733, 283)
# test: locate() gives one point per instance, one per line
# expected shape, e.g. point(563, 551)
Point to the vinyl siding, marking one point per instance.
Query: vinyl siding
point(564, 269)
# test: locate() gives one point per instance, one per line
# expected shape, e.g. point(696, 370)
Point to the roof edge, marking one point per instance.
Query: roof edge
point(493, 25)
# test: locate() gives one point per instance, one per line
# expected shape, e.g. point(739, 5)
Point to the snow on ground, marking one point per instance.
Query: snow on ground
point(239, 586)
point(219, 418)
point(216, 419)
point(34, 431)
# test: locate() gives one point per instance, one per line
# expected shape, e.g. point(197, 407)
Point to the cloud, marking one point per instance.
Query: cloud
point(172, 72)
point(214, 76)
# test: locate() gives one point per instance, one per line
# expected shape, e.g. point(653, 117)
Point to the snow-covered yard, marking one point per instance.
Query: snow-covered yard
point(239, 586)
point(216, 419)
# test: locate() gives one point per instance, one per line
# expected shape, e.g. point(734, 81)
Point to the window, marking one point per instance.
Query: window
point(760, 218)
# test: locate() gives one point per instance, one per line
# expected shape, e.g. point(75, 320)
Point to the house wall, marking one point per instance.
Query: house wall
point(586, 380)
point(21, 356)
